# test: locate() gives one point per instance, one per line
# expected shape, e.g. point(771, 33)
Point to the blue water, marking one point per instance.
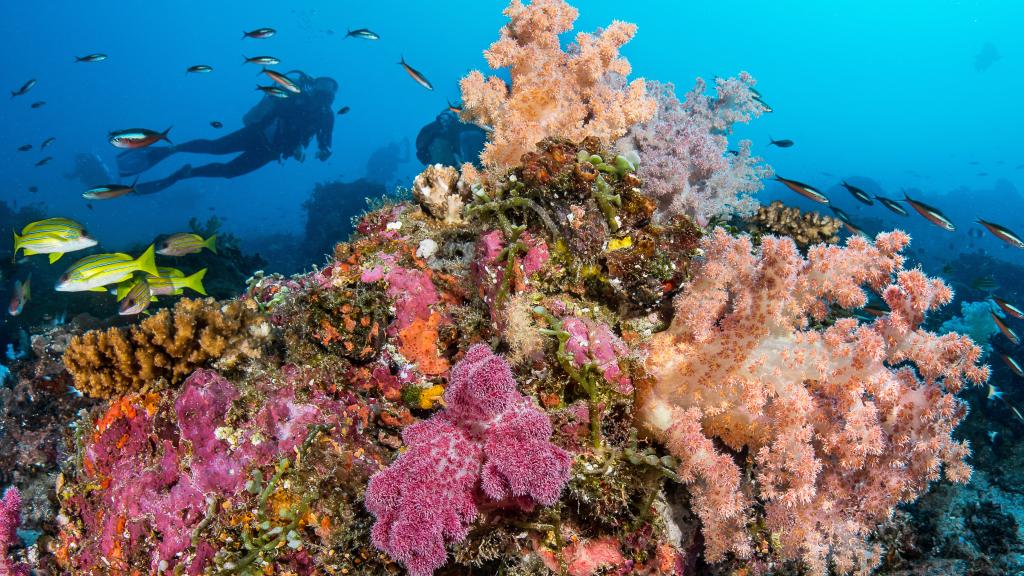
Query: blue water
point(866, 89)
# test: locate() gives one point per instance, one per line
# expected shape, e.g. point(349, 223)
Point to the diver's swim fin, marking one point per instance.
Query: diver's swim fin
point(132, 162)
point(144, 188)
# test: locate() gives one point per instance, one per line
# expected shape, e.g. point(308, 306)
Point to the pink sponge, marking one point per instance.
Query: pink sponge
point(489, 436)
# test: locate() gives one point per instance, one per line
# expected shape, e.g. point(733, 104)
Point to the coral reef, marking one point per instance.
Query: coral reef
point(805, 228)
point(165, 348)
point(569, 94)
point(837, 437)
point(555, 365)
point(685, 162)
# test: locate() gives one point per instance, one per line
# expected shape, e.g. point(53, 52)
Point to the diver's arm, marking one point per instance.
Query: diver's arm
point(325, 134)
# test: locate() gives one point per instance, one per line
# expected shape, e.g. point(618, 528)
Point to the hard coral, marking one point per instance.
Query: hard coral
point(570, 94)
point(435, 190)
point(489, 443)
point(805, 228)
point(838, 438)
point(165, 348)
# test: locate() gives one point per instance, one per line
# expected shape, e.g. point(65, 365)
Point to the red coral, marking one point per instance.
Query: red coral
point(489, 437)
point(10, 519)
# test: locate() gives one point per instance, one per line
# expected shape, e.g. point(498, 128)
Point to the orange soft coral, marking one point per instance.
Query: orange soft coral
point(569, 95)
point(837, 436)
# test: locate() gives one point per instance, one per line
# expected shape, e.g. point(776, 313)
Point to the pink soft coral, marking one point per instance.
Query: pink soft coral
point(10, 519)
point(490, 442)
point(684, 162)
point(571, 94)
point(838, 436)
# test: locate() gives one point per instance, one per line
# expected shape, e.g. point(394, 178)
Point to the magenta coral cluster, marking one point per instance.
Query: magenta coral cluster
point(10, 519)
point(489, 444)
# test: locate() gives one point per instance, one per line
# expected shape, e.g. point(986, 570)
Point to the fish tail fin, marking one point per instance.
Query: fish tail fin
point(136, 181)
point(163, 135)
point(211, 243)
point(147, 262)
point(54, 256)
point(17, 245)
point(348, 32)
point(78, 58)
point(245, 59)
point(195, 282)
point(402, 61)
point(244, 34)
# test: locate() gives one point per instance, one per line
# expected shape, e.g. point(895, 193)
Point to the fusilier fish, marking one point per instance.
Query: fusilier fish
point(416, 75)
point(259, 33)
point(805, 190)
point(364, 33)
point(274, 91)
point(892, 205)
point(283, 80)
point(54, 236)
point(137, 137)
point(44, 161)
point(94, 272)
point(783, 143)
point(108, 191)
point(858, 193)
point(172, 281)
point(841, 214)
point(24, 148)
point(38, 104)
point(1006, 330)
point(20, 297)
point(91, 58)
point(47, 142)
point(930, 213)
point(1013, 364)
point(24, 88)
point(1010, 309)
point(264, 60)
point(184, 243)
point(199, 69)
point(343, 110)
point(1003, 233)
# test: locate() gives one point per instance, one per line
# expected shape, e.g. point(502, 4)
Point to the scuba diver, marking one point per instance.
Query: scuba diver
point(275, 129)
point(450, 141)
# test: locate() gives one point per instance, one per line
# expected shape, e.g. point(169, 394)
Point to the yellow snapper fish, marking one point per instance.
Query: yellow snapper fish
point(94, 272)
point(184, 243)
point(136, 298)
point(172, 282)
point(53, 236)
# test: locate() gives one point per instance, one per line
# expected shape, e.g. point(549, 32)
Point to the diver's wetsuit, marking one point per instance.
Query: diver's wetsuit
point(276, 129)
point(449, 141)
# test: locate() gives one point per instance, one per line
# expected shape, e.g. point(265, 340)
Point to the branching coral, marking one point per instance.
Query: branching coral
point(569, 94)
point(165, 348)
point(10, 519)
point(684, 162)
point(490, 438)
point(805, 228)
point(837, 436)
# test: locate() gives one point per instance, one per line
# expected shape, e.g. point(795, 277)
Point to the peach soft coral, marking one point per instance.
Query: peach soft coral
point(839, 426)
point(569, 94)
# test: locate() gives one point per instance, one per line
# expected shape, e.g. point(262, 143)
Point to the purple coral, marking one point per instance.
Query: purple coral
point(10, 519)
point(684, 162)
point(592, 341)
point(489, 436)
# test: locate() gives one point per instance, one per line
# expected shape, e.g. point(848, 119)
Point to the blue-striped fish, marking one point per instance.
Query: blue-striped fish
point(172, 282)
point(94, 272)
point(283, 80)
point(931, 213)
point(184, 243)
point(134, 297)
point(53, 236)
point(199, 69)
point(108, 191)
point(858, 193)
point(892, 205)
